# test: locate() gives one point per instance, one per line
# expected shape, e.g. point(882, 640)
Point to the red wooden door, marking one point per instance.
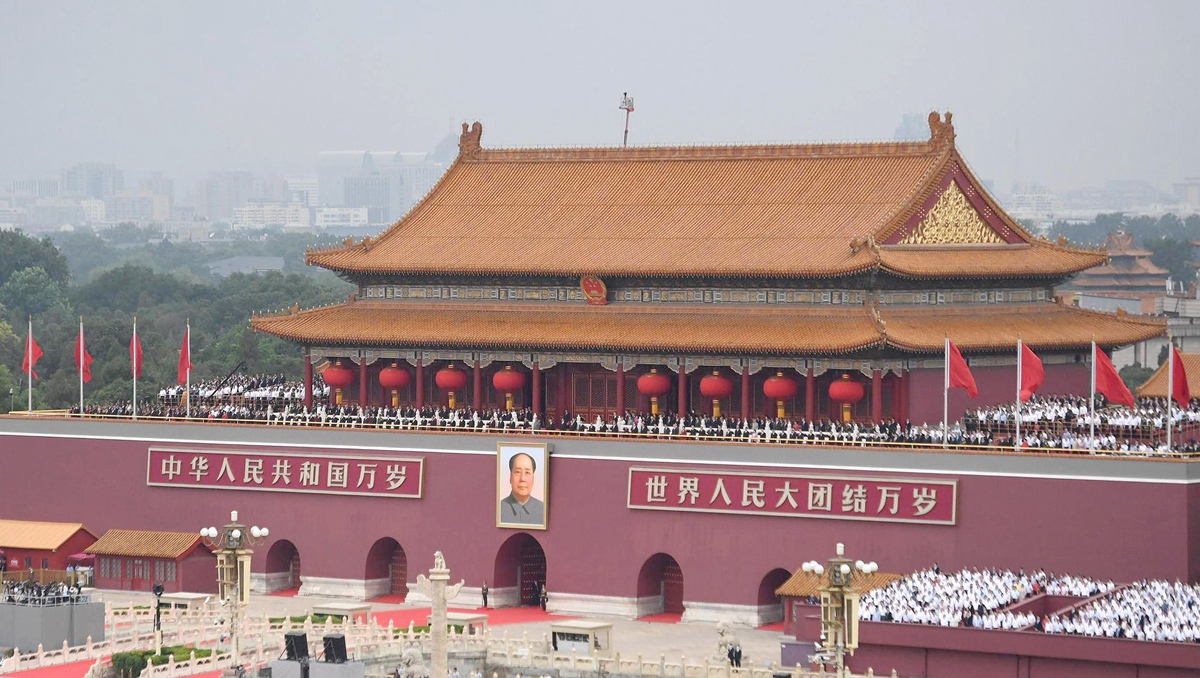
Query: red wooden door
point(672, 585)
point(399, 572)
point(533, 573)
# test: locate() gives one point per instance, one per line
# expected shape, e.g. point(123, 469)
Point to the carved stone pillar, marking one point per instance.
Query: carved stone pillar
point(435, 588)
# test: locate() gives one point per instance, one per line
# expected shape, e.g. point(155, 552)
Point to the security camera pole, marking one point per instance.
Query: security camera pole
point(839, 605)
point(231, 544)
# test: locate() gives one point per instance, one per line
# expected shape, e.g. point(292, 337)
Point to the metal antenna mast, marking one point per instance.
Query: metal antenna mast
point(627, 106)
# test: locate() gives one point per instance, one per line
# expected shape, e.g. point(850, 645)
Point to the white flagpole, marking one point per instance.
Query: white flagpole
point(1020, 355)
point(135, 371)
point(1170, 388)
point(79, 366)
point(946, 397)
point(187, 389)
point(29, 362)
point(1092, 400)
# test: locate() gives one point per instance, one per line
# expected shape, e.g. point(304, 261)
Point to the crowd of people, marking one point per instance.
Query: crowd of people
point(1147, 610)
point(969, 598)
point(1047, 423)
point(1066, 422)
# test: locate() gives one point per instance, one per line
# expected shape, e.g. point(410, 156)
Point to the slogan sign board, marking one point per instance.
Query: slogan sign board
point(361, 475)
point(894, 500)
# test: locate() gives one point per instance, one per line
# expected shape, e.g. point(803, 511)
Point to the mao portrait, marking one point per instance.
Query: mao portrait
point(522, 472)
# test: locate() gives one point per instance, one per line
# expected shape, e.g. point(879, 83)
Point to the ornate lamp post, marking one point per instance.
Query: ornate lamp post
point(839, 606)
point(232, 545)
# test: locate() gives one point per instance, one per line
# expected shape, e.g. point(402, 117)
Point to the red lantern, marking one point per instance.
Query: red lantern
point(393, 378)
point(451, 380)
point(846, 390)
point(339, 378)
point(780, 388)
point(654, 385)
point(716, 387)
point(508, 381)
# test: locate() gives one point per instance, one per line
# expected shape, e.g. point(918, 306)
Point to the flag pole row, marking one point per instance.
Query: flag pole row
point(83, 362)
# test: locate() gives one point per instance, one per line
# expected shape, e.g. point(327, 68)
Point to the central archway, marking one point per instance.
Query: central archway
point(660, 586)
point(283, 566)
point(520, 571)
point(387, 568)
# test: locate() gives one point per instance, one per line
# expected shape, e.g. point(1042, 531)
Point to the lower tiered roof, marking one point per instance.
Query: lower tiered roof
point(824, 330)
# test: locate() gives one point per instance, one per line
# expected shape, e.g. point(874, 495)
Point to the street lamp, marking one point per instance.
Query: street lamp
point(839, 607)
point(231, 544)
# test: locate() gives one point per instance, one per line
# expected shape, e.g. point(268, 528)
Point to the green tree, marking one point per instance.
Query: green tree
point(19, 251)
point(31, 291)
point(1135, 375)
point(1173, 255)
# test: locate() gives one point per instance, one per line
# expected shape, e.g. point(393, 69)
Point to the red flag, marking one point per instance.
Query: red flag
point(135, 353)
point(185, 356)
point(1180, 391)
point(83, 359)
point(33, 353)
point(1032, 371)
point(960, 374)
point(1108, 381)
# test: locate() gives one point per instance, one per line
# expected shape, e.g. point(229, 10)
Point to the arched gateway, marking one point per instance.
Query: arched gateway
point(660, 586)
point(283, 566)
point(387, 568)
point(770, 606)
point(520, 571)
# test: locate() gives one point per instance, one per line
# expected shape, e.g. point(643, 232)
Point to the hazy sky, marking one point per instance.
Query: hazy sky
point(1069, 93)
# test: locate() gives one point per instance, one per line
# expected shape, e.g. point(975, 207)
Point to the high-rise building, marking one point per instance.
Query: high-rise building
point(92, 180)
point(302, 189)
point(257, 215)
point(35, 188)
point(221, 192)
point(137, 206)
point(94, 211)
point(360, 178)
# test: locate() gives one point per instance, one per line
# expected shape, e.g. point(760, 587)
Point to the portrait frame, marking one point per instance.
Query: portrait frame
point(506, 489)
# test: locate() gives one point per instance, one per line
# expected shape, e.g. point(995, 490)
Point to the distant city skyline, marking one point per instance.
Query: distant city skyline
point(1068, 94)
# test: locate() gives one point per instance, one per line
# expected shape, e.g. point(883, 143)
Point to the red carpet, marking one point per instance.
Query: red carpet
point(286, 593)
point(72, 670)
point(663, 618)
point(391, 598)
point(777, 626)
point(418, 616)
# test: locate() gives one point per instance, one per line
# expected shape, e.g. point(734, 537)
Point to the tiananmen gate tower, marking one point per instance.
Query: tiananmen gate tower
point(814, 280)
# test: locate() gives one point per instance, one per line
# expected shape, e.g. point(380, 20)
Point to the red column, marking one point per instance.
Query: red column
point(876, 395)
point(902, 396)
point(537, 390)
point(810, 395)
point(477, 388)
point(681, 410)
point(420, 383)
point(308, 380)
point(362, 381)
point(564, 396)
point(620, 388)
point(745, 392)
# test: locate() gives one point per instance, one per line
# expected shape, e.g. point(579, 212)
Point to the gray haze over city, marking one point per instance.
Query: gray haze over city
point(1065, 94)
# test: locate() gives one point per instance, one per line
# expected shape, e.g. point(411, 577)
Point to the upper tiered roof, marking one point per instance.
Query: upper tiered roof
point(773, 211)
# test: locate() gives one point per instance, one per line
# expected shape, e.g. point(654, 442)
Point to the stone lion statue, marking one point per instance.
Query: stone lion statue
point(726, 639)
point(412, 664)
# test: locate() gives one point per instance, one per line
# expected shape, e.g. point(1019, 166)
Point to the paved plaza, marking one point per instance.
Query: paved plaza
point(630, 637)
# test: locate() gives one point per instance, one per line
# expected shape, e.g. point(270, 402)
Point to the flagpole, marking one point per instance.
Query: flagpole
point(79, 357)
point(187, 389)
point(29, 362)
point(135, 368)
point(1170, 387)
point(1020, 367)
point(946, 396)
point(1092, 400)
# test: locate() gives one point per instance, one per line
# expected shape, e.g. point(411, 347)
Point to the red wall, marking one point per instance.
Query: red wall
point(996, 385)
point(596, 545)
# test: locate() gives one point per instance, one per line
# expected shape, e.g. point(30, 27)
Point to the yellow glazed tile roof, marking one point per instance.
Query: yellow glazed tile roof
point(144, 543)
point(37, 536)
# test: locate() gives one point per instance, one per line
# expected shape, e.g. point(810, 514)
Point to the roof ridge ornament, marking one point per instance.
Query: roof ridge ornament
point(941, 131)
point(468, 141)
